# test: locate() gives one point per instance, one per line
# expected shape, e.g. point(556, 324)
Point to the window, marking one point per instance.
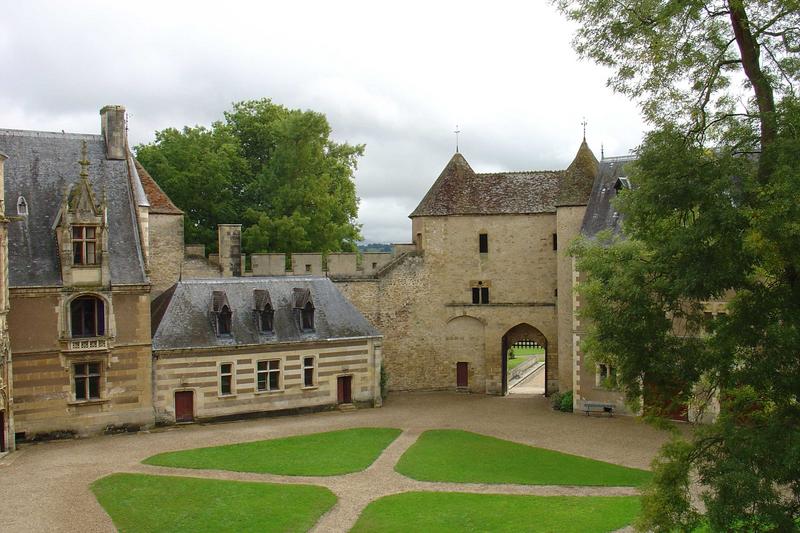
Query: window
point(87, 381)
point(268, 375)
point(224, 321)
point(308, 268)
point(22, 206)
point(225, 379)
point(555, 241)
point(307, 317)
point(606, 375)
point(84, 245)
point(266, 319)
point(374, 266)
point(87, 317)
point(308, 371)
point(480, 295)
point(483, 243)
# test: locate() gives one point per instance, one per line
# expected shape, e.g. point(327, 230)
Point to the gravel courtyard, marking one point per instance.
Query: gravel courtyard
point(45, 487)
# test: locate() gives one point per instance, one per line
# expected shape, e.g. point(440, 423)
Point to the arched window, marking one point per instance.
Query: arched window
point(224, 321)
point(22, 206)
point(87, 317)
point(308, 316)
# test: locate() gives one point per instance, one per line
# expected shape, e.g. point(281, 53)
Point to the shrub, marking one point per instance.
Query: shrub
point(384, 383)
point(562, 402)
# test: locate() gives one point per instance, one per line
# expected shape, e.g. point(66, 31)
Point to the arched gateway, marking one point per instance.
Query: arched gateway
point(524, 334)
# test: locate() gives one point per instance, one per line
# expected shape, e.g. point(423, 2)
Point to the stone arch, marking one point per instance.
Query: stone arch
point(523, 332)
point(465, 345)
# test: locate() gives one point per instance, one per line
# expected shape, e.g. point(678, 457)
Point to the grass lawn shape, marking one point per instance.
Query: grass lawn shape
point(138, 502)
point(450, 511)
point(318, 454)
point(463, 457)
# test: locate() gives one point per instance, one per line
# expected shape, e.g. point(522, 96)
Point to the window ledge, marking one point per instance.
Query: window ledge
point(96, 265)
point(93, 401)
point(310, 387)
point(276, 391)
point(225, 396)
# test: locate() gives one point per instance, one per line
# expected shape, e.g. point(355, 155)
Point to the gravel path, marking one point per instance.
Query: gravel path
point(45, 486)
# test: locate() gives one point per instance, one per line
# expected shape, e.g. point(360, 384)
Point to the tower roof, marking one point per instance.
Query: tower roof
point(459, 190)
point(576, 185)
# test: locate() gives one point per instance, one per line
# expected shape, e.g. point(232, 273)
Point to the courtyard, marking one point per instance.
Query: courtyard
point(48, 486)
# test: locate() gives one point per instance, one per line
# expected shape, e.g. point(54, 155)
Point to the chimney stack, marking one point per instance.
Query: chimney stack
point(230, 249)
point(112, 126)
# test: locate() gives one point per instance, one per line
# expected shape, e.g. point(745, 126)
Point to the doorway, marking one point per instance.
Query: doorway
point(344, 389)
point(462, 375)
point(524, 361)
point(184, 406)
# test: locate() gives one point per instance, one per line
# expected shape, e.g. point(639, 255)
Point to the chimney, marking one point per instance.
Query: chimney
point(112, 126)
point(230, 249)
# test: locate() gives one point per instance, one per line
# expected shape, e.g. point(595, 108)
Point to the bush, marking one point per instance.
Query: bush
point(562, 402)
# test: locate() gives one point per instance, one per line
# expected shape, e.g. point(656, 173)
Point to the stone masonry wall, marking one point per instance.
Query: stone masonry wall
point(166, 251)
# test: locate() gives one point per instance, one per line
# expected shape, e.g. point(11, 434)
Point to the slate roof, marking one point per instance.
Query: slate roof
point(459, 190)
point(186, 323)
point(41, 166)
point(600, 213)
point(160, 203)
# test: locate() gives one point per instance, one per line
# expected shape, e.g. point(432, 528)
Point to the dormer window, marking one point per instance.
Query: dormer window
point(305, 307)
point(622, 183)
point(263, 310)
point(224, 321)
point(84, 245)
point(87, 317)
point(22, 206)
point(221, 314)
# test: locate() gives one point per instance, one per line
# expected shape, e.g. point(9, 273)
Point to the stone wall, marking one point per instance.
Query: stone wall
point(423, 303)
point(198, 371)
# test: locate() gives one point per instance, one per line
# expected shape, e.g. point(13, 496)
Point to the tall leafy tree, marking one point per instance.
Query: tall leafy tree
point(274, 169)
point(715, 215)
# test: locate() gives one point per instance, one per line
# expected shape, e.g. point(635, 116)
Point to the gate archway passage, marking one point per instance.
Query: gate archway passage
point(524, 336)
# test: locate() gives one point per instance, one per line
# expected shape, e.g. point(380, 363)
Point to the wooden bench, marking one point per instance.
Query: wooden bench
point(598, 407)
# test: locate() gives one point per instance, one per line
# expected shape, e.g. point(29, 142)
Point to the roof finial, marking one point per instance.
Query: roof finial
point(457, 131)
point(602, 152)
point(84, 162)
point(584, 128)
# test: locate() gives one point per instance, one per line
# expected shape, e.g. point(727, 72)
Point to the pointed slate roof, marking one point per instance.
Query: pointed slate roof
point(41, 166)
point(576, 185)
point(459, 190)
point(600, 213)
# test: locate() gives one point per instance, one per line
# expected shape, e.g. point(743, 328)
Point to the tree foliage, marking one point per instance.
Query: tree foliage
point(714, 215)
point(273, 169)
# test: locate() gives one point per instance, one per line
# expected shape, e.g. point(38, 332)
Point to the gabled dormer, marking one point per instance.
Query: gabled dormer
point(303, 309)
point(220, 314)
point(81, 230)
point(263, 312)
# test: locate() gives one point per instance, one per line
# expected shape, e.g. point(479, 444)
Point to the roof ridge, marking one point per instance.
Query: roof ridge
point(44, 133)
point(519, 172)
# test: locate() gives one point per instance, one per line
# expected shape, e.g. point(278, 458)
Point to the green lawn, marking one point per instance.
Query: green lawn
point(138, 502)
point(463, 457)
point(318, 454)
point(527, 351)
point(449, 511)
point(518, 360)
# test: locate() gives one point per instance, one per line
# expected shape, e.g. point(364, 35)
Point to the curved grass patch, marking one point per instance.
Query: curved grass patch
point(319, 454)
point(463, 457)
point(450, 511)
point(139, 502)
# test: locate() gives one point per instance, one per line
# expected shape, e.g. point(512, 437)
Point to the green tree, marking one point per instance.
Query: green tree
point(273, 169)
point(715, 215)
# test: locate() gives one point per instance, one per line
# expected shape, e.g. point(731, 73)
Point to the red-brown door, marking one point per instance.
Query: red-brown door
point(184, 406)
point(462, 374)
point(344, 389)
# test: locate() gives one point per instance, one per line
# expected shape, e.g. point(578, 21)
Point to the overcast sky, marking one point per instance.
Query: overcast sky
point(397, 77)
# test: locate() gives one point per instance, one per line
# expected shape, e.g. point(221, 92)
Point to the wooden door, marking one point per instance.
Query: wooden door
point(184, 406)
point(462, 374)
point(344, 389)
